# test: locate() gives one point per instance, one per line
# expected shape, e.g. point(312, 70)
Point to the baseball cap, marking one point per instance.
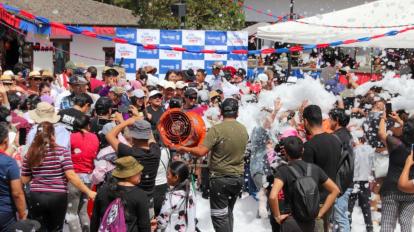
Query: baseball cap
point(154, 93)
point(140, 130)
point(169, 85)
point(190, 93)
point(117, 90)
point(229, 106)
point(77, 80)
point(180, 85)
point(138, 93)
point(262, 77)
point(189, 75)
point(241, 72)
point(103, 104)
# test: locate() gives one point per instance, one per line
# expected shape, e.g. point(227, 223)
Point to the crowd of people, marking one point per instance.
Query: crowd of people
point(88, 153)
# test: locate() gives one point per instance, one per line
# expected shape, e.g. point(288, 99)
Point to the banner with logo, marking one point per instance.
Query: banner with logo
point(164, 60)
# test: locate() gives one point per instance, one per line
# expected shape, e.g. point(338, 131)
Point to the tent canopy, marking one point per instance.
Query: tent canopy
point(391, 14)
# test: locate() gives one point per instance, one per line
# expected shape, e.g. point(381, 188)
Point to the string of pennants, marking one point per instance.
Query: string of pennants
point(24, 22)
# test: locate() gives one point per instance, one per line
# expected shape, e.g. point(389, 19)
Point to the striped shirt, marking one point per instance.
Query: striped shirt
point(49, 176)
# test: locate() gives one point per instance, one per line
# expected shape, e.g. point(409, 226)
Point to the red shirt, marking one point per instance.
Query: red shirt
point(84, 148)
point(95, 83)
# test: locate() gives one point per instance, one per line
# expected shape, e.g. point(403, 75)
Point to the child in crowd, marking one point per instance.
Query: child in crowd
point(178, 211)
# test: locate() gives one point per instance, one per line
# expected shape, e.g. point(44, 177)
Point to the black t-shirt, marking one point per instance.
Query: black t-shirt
point(398, 153)
point(155, 116)
point(286, 176)
point(98, 123)
point(136, 208)
point(68, 116)
point(150, 159)
point(324, 150)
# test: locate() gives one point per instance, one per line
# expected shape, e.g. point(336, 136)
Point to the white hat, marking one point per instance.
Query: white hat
point(154, 92)
point(162, 83)
point(152, 80)
point(169, 85)
point(138, 93)
point(180, 85)
point(262, 77)
point(44, 112)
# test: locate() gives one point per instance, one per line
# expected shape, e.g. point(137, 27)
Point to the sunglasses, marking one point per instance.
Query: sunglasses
point(192, 97)
point(156, 97)
point(37, 78)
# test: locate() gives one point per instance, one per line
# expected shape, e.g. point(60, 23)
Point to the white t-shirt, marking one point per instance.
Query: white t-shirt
point(163, 167)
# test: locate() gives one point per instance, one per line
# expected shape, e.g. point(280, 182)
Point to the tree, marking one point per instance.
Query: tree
point(201, 14)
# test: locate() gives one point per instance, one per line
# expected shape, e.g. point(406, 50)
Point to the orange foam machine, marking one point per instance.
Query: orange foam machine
point(179, 128)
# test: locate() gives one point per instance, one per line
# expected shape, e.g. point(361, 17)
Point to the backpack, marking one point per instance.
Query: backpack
point(305, 195)
point(345, 168)
point(114, 217)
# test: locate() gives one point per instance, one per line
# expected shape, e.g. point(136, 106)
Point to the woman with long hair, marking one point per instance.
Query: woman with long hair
point(84, 149)
point(178, 211)
point(397, 203)
point(48, 167)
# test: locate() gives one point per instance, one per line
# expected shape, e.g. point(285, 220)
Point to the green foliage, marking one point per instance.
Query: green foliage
point(201, 14)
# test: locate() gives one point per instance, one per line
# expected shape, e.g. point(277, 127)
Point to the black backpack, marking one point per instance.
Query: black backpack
point(345, 168)
point(305, 195)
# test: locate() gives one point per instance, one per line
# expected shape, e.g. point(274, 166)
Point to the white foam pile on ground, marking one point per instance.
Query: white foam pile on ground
point(292, 96)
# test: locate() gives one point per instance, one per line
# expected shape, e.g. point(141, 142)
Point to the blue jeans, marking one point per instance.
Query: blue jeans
point(340, 213)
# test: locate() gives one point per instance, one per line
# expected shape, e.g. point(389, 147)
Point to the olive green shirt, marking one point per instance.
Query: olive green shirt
point(227, 142)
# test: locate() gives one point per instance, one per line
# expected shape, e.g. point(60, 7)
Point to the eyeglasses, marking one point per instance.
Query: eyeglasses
point(156, 97)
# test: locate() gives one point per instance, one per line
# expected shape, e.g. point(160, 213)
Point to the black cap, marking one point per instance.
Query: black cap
point(230, 106)
point(190, 92)
point(189, 75)
point(241, 72)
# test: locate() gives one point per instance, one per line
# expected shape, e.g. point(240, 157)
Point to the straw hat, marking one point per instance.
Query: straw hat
point(6, 78)
point(44, 112)
point(34, 74)
point(126, 167)
point(47, 74)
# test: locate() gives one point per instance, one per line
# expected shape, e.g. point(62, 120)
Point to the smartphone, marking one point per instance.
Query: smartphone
point(412, 149)
point(388, 108)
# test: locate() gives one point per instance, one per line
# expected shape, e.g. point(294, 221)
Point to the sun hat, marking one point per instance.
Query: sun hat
point(126, 167)
point(138, 93)
point(140, 130)
point(44, 112)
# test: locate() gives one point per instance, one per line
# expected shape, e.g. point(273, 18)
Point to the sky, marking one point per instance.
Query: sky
point(304, 8)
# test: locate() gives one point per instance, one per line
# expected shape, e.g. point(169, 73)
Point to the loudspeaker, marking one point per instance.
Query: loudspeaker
point(179, 9)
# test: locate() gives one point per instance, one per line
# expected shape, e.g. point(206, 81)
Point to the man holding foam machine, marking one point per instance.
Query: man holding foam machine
point(227, 142)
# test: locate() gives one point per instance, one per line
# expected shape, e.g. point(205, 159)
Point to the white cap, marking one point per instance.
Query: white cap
point(138, 93)
point(154, 92)
point(8, 73)
point(180, 85)
point(162, 83)
point(262, 77)
point(169, 85)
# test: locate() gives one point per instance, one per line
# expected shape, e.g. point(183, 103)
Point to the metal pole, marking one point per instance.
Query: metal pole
point(289, 55)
